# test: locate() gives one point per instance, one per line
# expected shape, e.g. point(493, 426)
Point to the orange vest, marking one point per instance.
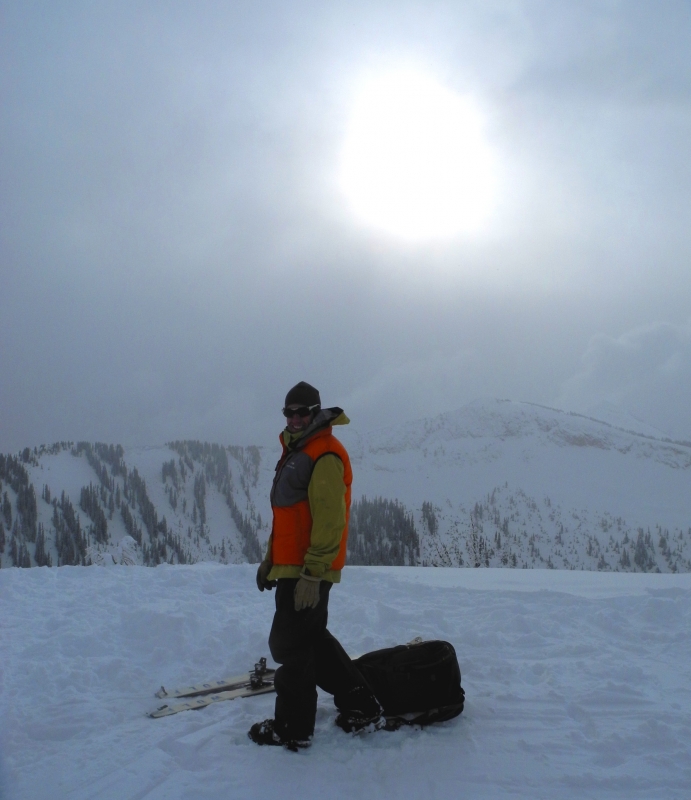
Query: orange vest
point(292, 528)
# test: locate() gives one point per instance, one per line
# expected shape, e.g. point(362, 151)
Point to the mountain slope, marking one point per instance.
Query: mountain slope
point(495, 483)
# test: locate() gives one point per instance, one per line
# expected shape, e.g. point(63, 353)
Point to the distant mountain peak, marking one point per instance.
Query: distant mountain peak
point(502, 420)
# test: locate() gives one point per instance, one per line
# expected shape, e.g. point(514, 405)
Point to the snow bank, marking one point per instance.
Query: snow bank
point(577, 685)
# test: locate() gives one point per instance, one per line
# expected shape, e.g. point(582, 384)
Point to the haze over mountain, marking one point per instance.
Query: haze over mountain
point(496, 483)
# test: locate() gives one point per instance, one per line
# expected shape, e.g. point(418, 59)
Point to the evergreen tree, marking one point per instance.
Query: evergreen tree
point(70, 540)
point(640, 556)
point(430, 518)
point(146, 507)
point(200, 497)
point(625, 561)
point(23, 557)
point(130, 526)
point(169, 470)
point(7, 510)
point(41, 558)
point(381, 532)
point(89, 502)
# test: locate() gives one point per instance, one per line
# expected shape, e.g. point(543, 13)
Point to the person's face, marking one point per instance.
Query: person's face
point(300, 418)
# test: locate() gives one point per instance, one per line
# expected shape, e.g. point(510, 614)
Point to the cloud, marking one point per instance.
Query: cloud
point(175, 251)
point(646, 371)
point(419, 387)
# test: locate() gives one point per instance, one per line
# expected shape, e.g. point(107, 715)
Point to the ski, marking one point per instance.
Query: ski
point(225, 684)
point(259, 681)
point(206, 700)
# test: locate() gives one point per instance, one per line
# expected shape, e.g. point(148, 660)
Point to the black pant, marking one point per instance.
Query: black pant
point(309, 656)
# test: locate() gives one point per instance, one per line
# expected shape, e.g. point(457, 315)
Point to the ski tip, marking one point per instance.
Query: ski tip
point(161, 711)
point(162, 692)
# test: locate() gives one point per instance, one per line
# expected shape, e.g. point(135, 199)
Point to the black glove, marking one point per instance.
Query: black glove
point(262, 572)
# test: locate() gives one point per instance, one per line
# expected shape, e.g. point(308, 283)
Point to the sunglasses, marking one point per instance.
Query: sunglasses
point(303, 411)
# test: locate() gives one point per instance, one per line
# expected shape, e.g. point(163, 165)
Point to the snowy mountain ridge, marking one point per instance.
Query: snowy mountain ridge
point(505, 419)
point(496, 483)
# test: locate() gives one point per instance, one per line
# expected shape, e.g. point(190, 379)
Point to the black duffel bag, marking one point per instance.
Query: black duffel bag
point(416, 683)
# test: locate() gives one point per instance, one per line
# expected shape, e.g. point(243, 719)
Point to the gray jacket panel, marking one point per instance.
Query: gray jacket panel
point(292, 480)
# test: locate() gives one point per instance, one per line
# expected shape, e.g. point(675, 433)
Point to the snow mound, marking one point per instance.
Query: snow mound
point(127, 551)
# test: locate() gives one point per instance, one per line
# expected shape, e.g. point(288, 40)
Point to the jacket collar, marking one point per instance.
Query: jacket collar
point(320, 424)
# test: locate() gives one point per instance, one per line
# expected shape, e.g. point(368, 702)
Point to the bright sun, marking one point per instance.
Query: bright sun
point(414, 162)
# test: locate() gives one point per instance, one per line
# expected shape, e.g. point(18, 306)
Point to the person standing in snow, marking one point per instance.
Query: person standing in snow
point(310, 500)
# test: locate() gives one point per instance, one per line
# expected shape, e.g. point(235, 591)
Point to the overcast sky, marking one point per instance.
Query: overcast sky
point(176, 249)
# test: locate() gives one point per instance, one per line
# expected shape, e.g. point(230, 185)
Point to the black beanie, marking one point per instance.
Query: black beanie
point(303, 394)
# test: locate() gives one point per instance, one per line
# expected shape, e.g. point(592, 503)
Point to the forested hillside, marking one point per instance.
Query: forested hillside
point(493, 485)
point(124, 515)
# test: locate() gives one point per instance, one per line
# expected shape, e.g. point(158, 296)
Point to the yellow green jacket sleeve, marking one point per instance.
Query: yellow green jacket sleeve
point(327, 499)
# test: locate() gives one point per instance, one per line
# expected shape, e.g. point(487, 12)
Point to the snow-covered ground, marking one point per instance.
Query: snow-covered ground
point(578, 685)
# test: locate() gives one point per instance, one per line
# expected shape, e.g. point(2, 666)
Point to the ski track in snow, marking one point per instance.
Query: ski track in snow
point(577, 684)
